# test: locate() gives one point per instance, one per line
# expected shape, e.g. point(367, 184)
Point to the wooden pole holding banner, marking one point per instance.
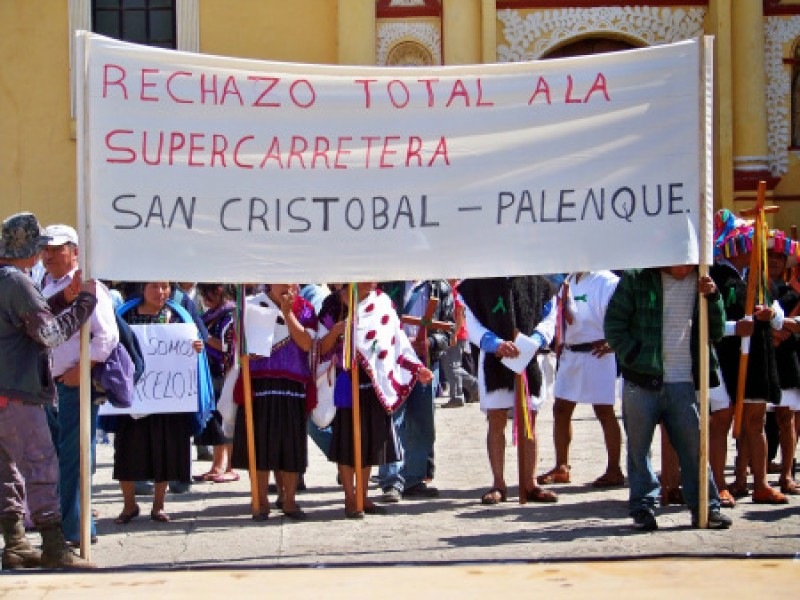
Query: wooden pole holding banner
point(84, 262)
point(244, 364)
point(85, 444)
point(706, 203)
point(350, 344)
point(523, 429)
point(753, 282)
point(522, 432)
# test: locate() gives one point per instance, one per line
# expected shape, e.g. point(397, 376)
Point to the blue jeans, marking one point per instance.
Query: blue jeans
point(676, 405)
point(320, 436)
point(69, 459)
point(414, 423)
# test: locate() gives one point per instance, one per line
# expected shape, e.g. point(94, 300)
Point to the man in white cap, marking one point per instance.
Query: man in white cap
point(60, 260)
point(28, 464)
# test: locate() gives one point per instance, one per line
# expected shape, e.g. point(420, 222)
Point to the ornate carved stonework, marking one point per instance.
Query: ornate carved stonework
point(534, 35)
point(409, 54)
point(411, 42)
point(777, 32)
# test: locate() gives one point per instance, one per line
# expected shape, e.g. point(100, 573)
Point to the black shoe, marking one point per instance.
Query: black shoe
point(421, 490)
point(179, 487)
point(390, 494)
point(644, 520)
point(301, 483)
point(716, 520)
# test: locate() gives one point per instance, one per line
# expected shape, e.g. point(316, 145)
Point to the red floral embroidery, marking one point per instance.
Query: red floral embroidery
point(384, 319)
point(370, 307)
point(371, 334)
point(382, 354)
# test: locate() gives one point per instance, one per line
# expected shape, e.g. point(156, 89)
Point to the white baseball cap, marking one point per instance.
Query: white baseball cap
point(61, 234)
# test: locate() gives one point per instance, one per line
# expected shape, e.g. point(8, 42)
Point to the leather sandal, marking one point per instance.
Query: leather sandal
point(790, 487)
point(769, 495)
point(726, 500)
point(159, 516)
point(538, 494)
point(495, 495)
point(125, 518)
point(738, 491)
point(609, 480)
point(558, 474)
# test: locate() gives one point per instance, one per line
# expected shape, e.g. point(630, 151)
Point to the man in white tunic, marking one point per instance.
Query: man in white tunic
point(587, 373)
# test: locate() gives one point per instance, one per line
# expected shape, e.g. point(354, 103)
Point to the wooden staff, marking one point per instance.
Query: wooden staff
point(753, 281)
point(244, 363)
point(350, 343)
point(85, 443)
point(521, 402)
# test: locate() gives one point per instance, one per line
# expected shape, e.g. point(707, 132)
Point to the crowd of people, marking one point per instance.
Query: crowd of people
point(629, 337)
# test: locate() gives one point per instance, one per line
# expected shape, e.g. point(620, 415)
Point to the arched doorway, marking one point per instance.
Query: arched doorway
point(592, 45)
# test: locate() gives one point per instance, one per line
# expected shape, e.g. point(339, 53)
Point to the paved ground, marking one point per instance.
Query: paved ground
point(212, 526)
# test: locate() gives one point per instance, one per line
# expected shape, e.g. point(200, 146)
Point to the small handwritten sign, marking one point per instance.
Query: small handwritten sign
point(169, 382)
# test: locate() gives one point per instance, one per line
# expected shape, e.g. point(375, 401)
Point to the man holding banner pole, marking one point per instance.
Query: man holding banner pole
point(60, 259)
point(652, 325)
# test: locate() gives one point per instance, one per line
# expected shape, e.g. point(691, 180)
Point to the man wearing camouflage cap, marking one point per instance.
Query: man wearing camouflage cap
point(28, 463)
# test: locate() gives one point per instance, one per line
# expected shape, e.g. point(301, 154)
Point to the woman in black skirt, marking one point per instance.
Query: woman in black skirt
point(279, 389)
point(155, 447)
point(387, 370)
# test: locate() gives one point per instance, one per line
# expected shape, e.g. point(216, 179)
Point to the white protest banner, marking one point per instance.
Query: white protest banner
point(169, 382)
point(205, 168)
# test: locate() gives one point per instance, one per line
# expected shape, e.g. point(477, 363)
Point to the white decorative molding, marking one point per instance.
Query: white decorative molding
point(187, 25)
point(538, 32)
point(80, 18)
point(394, 3)
point(427, 34)
point(777, 32)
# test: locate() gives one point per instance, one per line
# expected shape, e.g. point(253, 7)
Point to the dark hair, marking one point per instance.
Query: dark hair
point(228, 290)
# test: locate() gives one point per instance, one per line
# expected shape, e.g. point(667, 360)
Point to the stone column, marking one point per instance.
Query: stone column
point(489, 31)
point(719, 19)
point(357, 32)
point(749, 82)
point(461, 32)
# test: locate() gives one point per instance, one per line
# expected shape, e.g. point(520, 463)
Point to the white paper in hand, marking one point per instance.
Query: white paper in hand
point(527, 350)
point(259, 328)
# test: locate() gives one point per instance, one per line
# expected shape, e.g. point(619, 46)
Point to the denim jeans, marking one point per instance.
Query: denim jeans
point(676, 405)
point(69, 459)
point(321, 436)
point(414, 422)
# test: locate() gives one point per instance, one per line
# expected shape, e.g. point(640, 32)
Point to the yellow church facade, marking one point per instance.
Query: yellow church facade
point(757, 74)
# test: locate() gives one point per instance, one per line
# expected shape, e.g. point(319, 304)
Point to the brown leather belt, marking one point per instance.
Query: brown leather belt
point(587, 347)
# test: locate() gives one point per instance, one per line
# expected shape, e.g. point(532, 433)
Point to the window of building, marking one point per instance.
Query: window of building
point(150, 22)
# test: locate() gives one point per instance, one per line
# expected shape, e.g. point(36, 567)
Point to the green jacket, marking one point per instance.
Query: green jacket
point(633, 328)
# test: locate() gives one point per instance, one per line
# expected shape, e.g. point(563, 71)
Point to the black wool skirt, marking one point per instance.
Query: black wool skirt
point(279, 423)
point(155, 448)
point(379, 443)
